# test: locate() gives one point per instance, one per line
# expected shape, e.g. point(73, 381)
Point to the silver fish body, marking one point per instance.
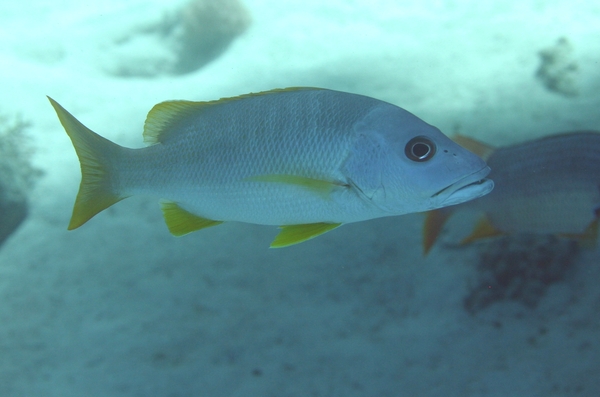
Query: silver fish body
point(284, 157)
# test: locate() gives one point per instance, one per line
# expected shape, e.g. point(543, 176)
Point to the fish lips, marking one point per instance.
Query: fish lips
point(468, 188)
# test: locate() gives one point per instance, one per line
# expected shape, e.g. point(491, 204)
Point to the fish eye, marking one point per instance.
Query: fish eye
point(420, 149)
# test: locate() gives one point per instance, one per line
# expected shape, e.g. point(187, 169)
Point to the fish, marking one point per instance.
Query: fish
point(549, 185)
point(305, 159)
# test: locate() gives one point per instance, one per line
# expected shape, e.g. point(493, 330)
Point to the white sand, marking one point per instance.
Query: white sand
point(121, 308)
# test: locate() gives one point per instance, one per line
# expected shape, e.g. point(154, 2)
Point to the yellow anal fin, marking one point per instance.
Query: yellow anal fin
point(181, 222)
point(483, 229)
point(294, 234)
point(588, 238)
point(318, 186)
point(434, 222)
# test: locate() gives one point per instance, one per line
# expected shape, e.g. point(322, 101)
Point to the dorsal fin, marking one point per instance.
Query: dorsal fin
point(479, 148)
point(163, 117)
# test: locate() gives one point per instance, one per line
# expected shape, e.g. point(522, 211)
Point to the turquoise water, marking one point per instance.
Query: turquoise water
point(119, 307)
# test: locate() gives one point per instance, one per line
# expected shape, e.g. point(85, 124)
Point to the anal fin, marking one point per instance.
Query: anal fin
point(180, 221)
point(483, 229)
point(294, 234)
point(588, 238)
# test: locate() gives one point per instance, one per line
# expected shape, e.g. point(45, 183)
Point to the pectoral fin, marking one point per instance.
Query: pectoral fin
point(294, 234)
point(181, 222)
point(318, 186)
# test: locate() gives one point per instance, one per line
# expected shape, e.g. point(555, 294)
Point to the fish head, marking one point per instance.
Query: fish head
point(401, 164)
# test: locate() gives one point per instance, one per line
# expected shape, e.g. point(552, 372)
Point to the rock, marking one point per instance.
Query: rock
point(558, 71)
point(180, 42)
point(16, 176)
point(207, 29)
point(12, 213)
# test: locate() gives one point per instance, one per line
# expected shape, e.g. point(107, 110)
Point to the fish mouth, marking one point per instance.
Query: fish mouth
point(468, 188)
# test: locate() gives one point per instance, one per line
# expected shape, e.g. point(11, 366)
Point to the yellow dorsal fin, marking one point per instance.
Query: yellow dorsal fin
point(319, 186)
point(434, 222)
point(483, 229)
point(479, 148)
point(294, 234)
point(180, 221)
point(165, 116)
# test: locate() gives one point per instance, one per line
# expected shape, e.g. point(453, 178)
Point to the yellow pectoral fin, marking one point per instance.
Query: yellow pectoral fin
point(294, 234)
point(181, 222)
point(318, 186)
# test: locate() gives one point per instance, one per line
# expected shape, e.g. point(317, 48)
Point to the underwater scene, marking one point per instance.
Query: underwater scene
point(299, 198)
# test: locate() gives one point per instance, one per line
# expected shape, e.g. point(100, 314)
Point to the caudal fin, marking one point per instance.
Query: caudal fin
point(97, 190)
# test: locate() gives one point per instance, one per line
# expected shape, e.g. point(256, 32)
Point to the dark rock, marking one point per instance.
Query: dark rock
point(16, 176)
point(12, 213)
point(181, 42)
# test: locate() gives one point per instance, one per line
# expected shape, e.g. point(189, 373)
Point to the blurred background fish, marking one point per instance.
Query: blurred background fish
point(547, 186)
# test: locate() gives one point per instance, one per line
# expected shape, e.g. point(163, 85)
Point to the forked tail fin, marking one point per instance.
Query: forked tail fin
point(97, 190)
